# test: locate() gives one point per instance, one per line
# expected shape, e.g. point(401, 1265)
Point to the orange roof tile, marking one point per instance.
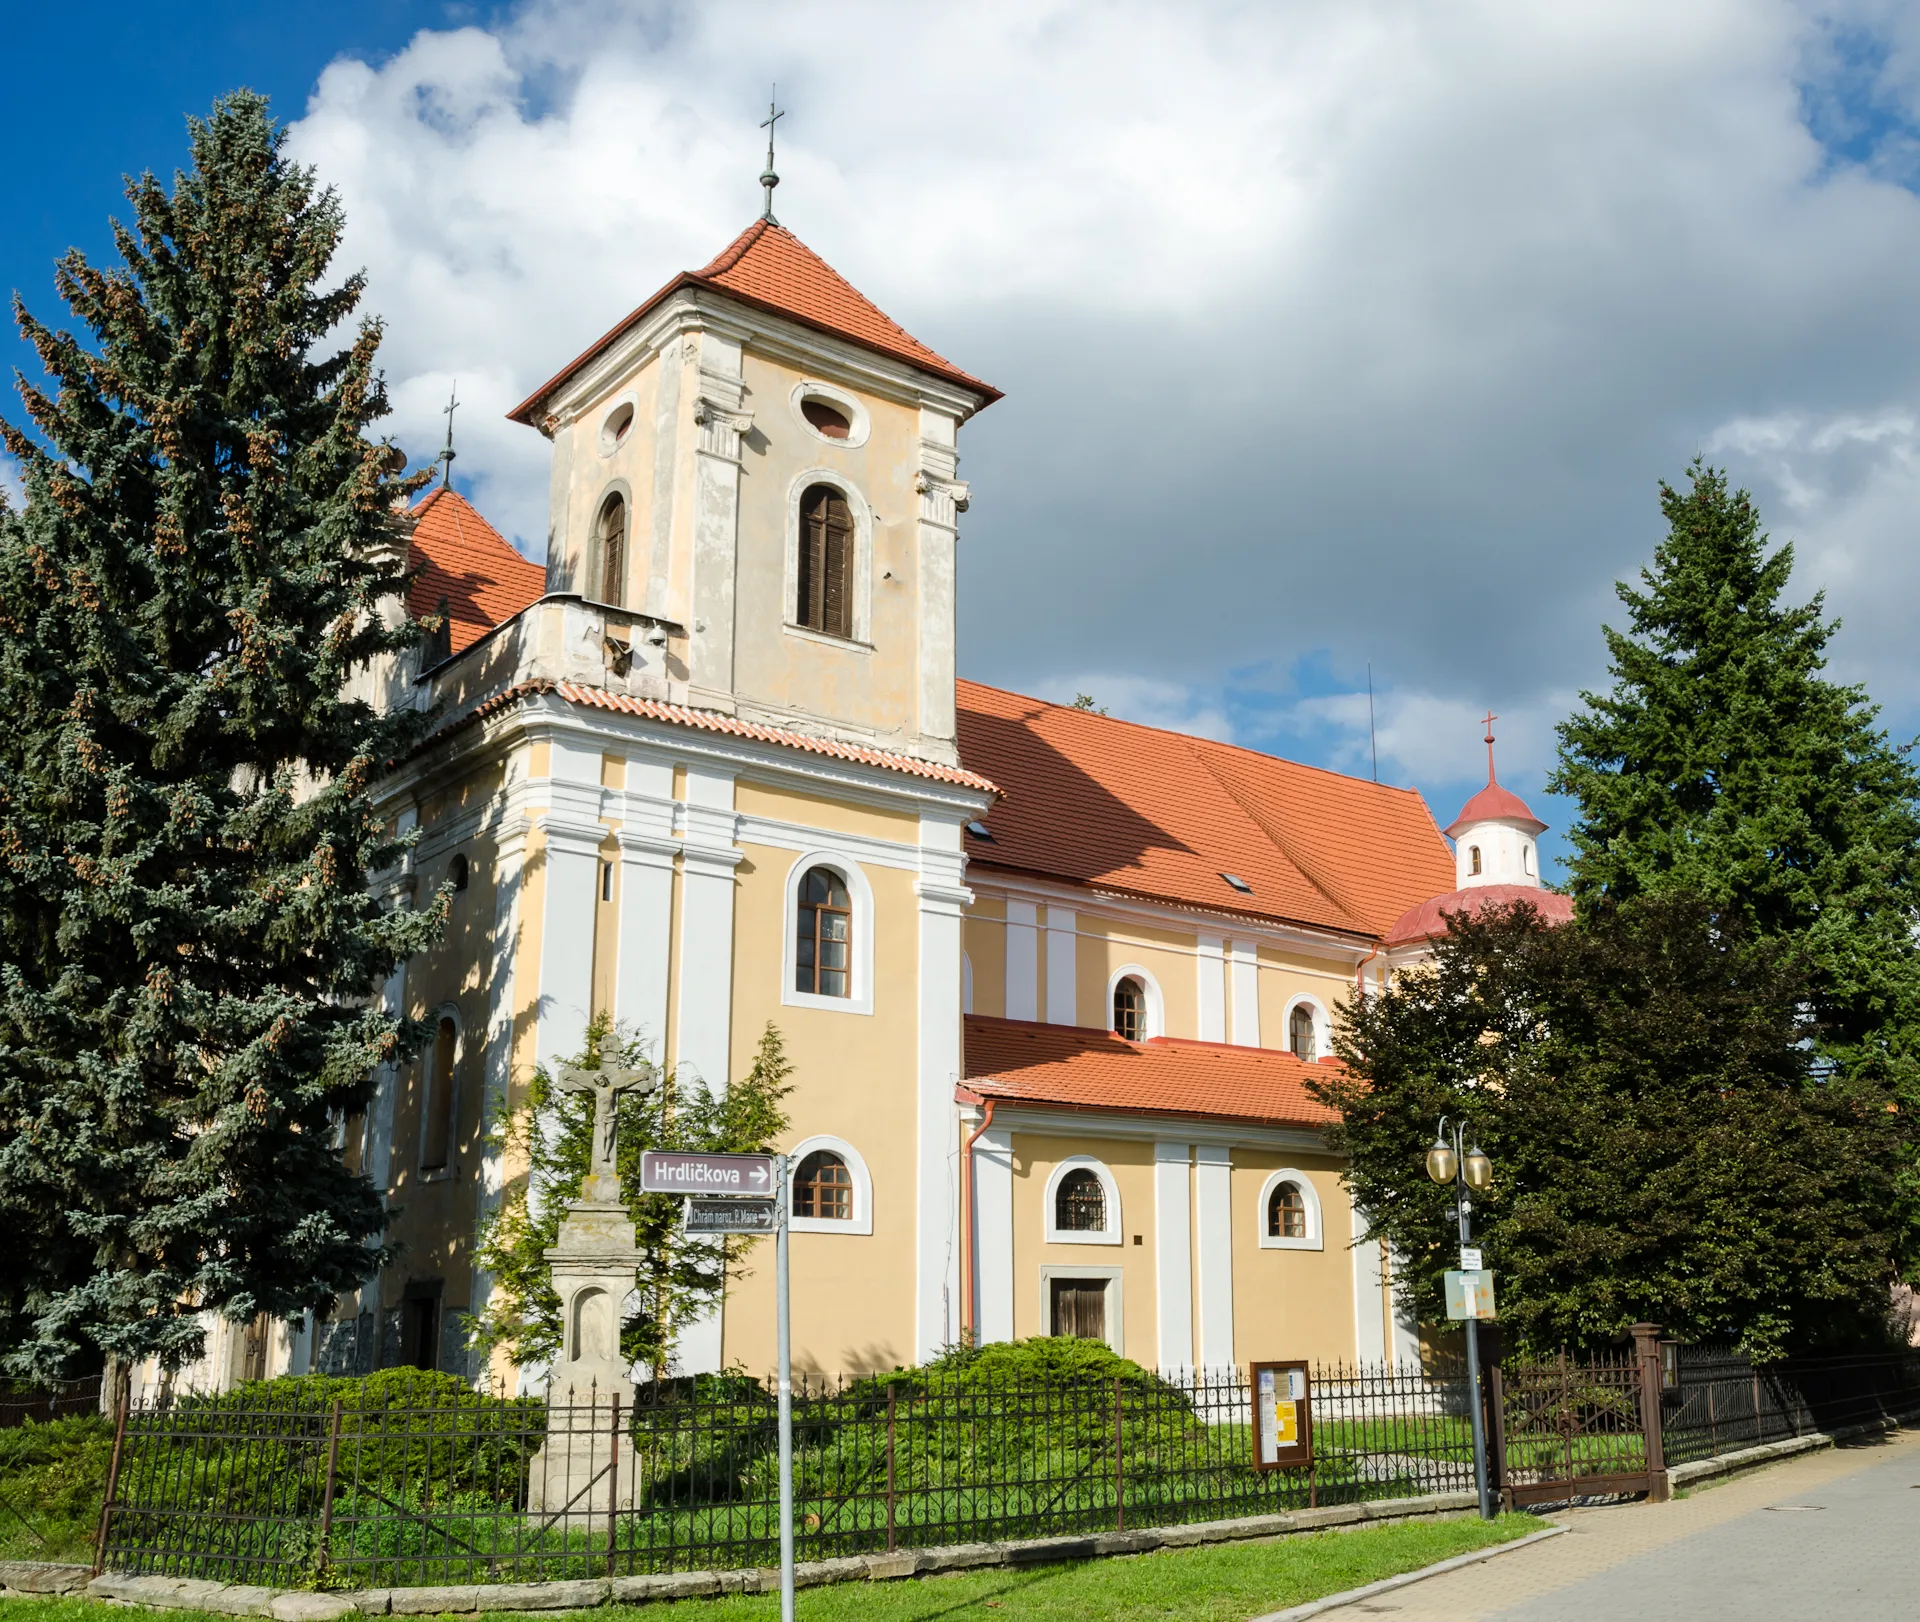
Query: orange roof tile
point(1070, 1067)
point(1097, 801)
point(770, 268)
point(464, 559)
point(653, 709)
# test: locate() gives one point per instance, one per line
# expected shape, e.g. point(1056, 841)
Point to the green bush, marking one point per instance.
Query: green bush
point(53, 1476)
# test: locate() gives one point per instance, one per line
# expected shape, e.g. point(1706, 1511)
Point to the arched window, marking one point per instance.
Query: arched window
point(436, 1132)
point(1130, 1010)
point(1286, 1212)
point(1473, 858)
point(1300, 1037)
point(457, 870)
point(1526, 859)
point(825, 563)
point(1080, 1203)
point(823, 1188)
point(824, 944)
point(612, 541)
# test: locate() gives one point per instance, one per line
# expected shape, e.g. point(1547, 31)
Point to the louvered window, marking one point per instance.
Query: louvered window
point(825, 596)
point(613, 552)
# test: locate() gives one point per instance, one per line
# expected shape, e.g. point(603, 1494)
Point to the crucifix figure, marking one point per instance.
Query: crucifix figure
point(605, 1084)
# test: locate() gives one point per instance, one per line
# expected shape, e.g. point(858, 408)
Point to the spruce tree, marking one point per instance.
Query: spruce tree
point(1661, 1150)
point(203, 574)
point(1723, 763)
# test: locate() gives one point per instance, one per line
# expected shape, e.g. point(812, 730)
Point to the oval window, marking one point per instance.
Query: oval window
point(828, 420)
point(614, 431)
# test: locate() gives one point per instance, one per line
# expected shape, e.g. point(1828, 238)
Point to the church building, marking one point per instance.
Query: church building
point(1053, 984)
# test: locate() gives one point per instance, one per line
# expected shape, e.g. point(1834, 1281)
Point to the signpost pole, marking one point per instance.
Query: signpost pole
point(1476, 1402)
point(784, 1335)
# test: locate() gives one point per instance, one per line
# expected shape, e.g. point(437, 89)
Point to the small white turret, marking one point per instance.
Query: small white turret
point(1494, 835)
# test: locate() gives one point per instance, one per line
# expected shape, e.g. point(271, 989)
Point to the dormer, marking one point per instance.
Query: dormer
point(759, 455)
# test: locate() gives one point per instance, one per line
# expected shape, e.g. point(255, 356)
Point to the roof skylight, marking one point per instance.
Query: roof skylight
point(1238, 883)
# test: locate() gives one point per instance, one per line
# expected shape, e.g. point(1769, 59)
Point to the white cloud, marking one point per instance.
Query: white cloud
point(1363, 329)
point(1146, 700)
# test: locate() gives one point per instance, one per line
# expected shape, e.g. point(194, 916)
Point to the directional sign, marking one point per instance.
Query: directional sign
point(735, 1176)
point(730, 1216)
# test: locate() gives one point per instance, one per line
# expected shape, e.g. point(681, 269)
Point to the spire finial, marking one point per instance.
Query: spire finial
point(1491, 718)
point(768, 178)
point(446, 456)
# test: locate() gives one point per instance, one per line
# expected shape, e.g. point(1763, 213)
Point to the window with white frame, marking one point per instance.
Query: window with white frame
point(828, 1188)
point(1134, 1005)
point(828, 960)
point(1082, 1204)
point(1289, 1212)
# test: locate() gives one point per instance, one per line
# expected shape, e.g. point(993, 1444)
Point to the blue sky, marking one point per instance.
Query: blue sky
point(1333, 335)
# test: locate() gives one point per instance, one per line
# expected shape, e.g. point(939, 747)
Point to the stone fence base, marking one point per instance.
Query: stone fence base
point(303, 1605)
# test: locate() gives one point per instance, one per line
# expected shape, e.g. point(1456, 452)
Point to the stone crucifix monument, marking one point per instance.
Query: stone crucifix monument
point(594, 1267)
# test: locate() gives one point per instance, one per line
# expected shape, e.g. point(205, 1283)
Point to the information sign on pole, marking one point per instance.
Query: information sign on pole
point(1282, 1416)
point(730, 1216)
point(707, 1176)
point(1470, 1295)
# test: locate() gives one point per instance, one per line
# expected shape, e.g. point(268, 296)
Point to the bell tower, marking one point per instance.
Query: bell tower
point(1494, 835)
point(762, 461)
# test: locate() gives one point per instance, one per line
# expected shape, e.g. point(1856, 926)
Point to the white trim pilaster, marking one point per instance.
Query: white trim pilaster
point(1210, 964)
point(573, 832)
point(703, 1044)
point(647, 849)
point(993, 1234)
point(1213, 1209)
point(1369, 1295)
point(1023, 960)
point(1173, 1255)
point(1062, 980)
point(943, 898)
point(1244, 966)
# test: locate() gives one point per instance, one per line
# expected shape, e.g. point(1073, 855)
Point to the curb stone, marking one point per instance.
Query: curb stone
point(302, 1605)
point(1750, 1458)
point(42, 1577)
point(1386, 1585)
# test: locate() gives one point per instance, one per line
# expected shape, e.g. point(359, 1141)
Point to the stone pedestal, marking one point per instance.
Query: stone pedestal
point(594, 1268)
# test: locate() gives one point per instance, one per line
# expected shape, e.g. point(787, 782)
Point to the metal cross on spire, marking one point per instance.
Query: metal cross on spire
point(1491, 718)
point(768, 178)
point(446, 456)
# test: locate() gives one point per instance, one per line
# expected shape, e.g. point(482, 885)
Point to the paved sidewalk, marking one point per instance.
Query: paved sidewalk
point(1829, 1535)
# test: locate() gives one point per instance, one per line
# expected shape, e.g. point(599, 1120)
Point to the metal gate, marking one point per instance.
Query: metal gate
point(1579, 1428)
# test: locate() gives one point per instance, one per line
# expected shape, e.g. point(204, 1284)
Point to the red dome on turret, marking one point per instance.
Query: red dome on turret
point(1495, 804)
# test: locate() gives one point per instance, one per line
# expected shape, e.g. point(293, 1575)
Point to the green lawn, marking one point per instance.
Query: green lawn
point(1221, 1583)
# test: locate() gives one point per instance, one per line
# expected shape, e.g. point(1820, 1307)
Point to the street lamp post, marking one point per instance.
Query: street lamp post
point(1450, 1161)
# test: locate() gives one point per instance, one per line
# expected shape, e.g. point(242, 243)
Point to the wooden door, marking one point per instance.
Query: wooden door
point(1080, 1308)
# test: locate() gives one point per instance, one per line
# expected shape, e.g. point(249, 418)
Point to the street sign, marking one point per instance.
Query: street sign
point(707, 1176)
point(730, 1216)
point(1470, 1261)
point(1470, 1295)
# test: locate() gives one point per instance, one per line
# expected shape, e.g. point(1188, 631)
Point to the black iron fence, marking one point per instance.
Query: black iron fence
point(1716, 1401)
point(20, 1404)
point(284, 1484)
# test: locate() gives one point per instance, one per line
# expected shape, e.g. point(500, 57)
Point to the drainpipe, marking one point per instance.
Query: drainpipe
point(1359, 974)
point(967, 1261)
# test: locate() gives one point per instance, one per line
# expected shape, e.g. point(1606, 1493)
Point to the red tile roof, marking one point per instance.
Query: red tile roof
point(1097, 801)
point(464, 559)
point(652, 709)
point(1069, 1067)
point(1493, 802)
point(1428, 921)
point(770, 268)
